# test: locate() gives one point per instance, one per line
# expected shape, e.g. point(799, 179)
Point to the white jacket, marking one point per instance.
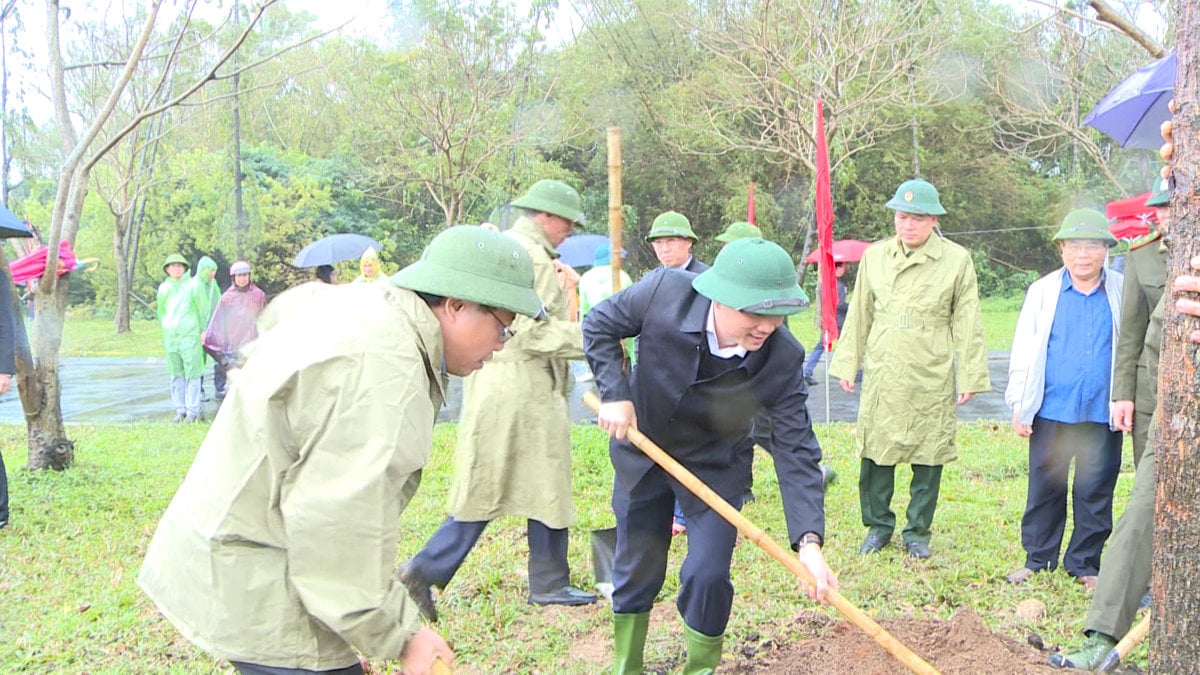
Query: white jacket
point(1027, 362)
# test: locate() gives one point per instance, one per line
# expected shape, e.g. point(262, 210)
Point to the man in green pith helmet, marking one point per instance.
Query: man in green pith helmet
point(277, 552)
point(915, 329)
point(672, 237)
point(1059, 384)
point(181, 312)
point(513, 456)
point(711, 357)
point(1123, 579)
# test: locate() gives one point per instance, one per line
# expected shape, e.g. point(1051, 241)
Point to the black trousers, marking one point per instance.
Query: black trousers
point(444, 553)
point(643, 539)
point(1097, 455)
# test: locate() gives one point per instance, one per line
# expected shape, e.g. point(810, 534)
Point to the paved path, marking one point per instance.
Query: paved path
point(106, 390)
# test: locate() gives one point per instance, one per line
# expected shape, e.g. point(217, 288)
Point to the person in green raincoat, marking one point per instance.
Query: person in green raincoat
point(183, 319)
point(369, 268)
point(914, 315)
point(278, 551)
point(514, 437)
point(208, 295)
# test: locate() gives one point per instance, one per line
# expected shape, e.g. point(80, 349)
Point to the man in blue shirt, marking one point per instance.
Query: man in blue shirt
point(1059, 380)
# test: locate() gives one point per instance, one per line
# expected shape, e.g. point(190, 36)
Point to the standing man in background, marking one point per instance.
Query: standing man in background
point(514, 439)
point(814, 357)
point(8, 369)
point(183, 322)
point(1059, 388)
point(915, 329)
point(672, 237)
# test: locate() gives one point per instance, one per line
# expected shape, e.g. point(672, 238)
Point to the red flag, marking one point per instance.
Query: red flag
point(750, 206)
point(824, 214)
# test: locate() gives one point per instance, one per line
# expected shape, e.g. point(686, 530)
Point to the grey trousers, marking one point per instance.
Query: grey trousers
point(1126, 570)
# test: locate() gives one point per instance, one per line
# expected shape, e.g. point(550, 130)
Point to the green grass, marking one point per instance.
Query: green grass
point(68, 603)
point(98, 337)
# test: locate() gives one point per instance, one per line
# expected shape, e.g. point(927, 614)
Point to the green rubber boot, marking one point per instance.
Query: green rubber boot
point(703, 652)
point(629, 633)
point(1089, 655)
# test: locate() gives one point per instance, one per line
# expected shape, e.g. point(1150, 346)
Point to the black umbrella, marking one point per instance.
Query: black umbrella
point(334, 249)
point(12, 226)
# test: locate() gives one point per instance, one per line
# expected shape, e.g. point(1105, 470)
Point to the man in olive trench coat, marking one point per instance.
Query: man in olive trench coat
point(514, 438)
point(913, 316)
point(278, 551)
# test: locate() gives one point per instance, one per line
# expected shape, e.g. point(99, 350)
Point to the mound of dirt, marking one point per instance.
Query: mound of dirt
point(961, 645)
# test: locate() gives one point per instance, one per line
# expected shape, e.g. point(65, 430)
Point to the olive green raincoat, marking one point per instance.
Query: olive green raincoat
point(911, 319)
point(514, 436)
point(280, 546)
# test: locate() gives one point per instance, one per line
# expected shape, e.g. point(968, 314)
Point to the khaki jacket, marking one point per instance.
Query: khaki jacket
point(280, 546)
point(513, 456)
point(911, 319)
point(1145, 278)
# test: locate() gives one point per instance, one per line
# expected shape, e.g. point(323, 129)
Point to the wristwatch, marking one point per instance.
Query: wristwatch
point(810, 538)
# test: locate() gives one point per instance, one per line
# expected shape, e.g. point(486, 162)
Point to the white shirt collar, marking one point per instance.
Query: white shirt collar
point(714, 347)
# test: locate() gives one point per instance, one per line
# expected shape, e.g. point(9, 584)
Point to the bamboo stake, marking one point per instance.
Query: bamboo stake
point(615, 213)
point(844, 607)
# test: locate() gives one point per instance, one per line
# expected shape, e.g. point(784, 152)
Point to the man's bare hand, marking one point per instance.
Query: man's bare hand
point(5, 383)
point(1122, 415)
point(814, 561)
point(422, 650)
point(964, 397)
point(616, 417)
point(1188, 304)
point(847, 386)
point(1022, 430)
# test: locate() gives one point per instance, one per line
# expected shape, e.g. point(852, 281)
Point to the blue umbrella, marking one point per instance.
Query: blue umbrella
point(334, 249)
point(1133, 111)
point(12, 226)
point(579, 250)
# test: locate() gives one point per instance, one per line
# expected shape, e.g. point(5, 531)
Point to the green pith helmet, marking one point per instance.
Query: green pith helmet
point(739, 230)
point(176, 258)
point(1161, 193)
point(1085, 224)
point(917, 196)
point(554, 197)
point(753, 275)
point(671, 224)
point(478, 265)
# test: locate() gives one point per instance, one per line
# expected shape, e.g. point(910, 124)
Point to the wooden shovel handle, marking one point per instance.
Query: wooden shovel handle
point(697, 487)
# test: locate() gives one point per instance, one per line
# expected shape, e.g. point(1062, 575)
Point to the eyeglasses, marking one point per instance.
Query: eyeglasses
point(1088, 245)
point(506, 332)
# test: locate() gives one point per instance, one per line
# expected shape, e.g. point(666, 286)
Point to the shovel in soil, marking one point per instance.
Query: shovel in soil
point(748, 530)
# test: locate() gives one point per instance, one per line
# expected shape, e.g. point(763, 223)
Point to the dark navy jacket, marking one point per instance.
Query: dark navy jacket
point(679, 413)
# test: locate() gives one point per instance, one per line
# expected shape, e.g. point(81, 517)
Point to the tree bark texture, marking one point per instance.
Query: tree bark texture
point(1175, 588)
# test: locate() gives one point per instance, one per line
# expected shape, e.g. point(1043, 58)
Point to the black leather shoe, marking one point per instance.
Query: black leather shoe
point(419, 590)
point(563, 596)
point(873, 544)
point(918, 549)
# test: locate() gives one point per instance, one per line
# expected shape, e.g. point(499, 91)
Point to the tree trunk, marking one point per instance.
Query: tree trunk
point(49, 447)
point(124, 278)
point(1175, 585)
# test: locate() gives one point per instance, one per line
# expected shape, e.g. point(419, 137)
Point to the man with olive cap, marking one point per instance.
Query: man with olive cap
point(711, 358)
point(1123, 579)
point(915, 329)
point(277, 551)
point(513, 456)
point(672, 237)
point(1059, 386)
